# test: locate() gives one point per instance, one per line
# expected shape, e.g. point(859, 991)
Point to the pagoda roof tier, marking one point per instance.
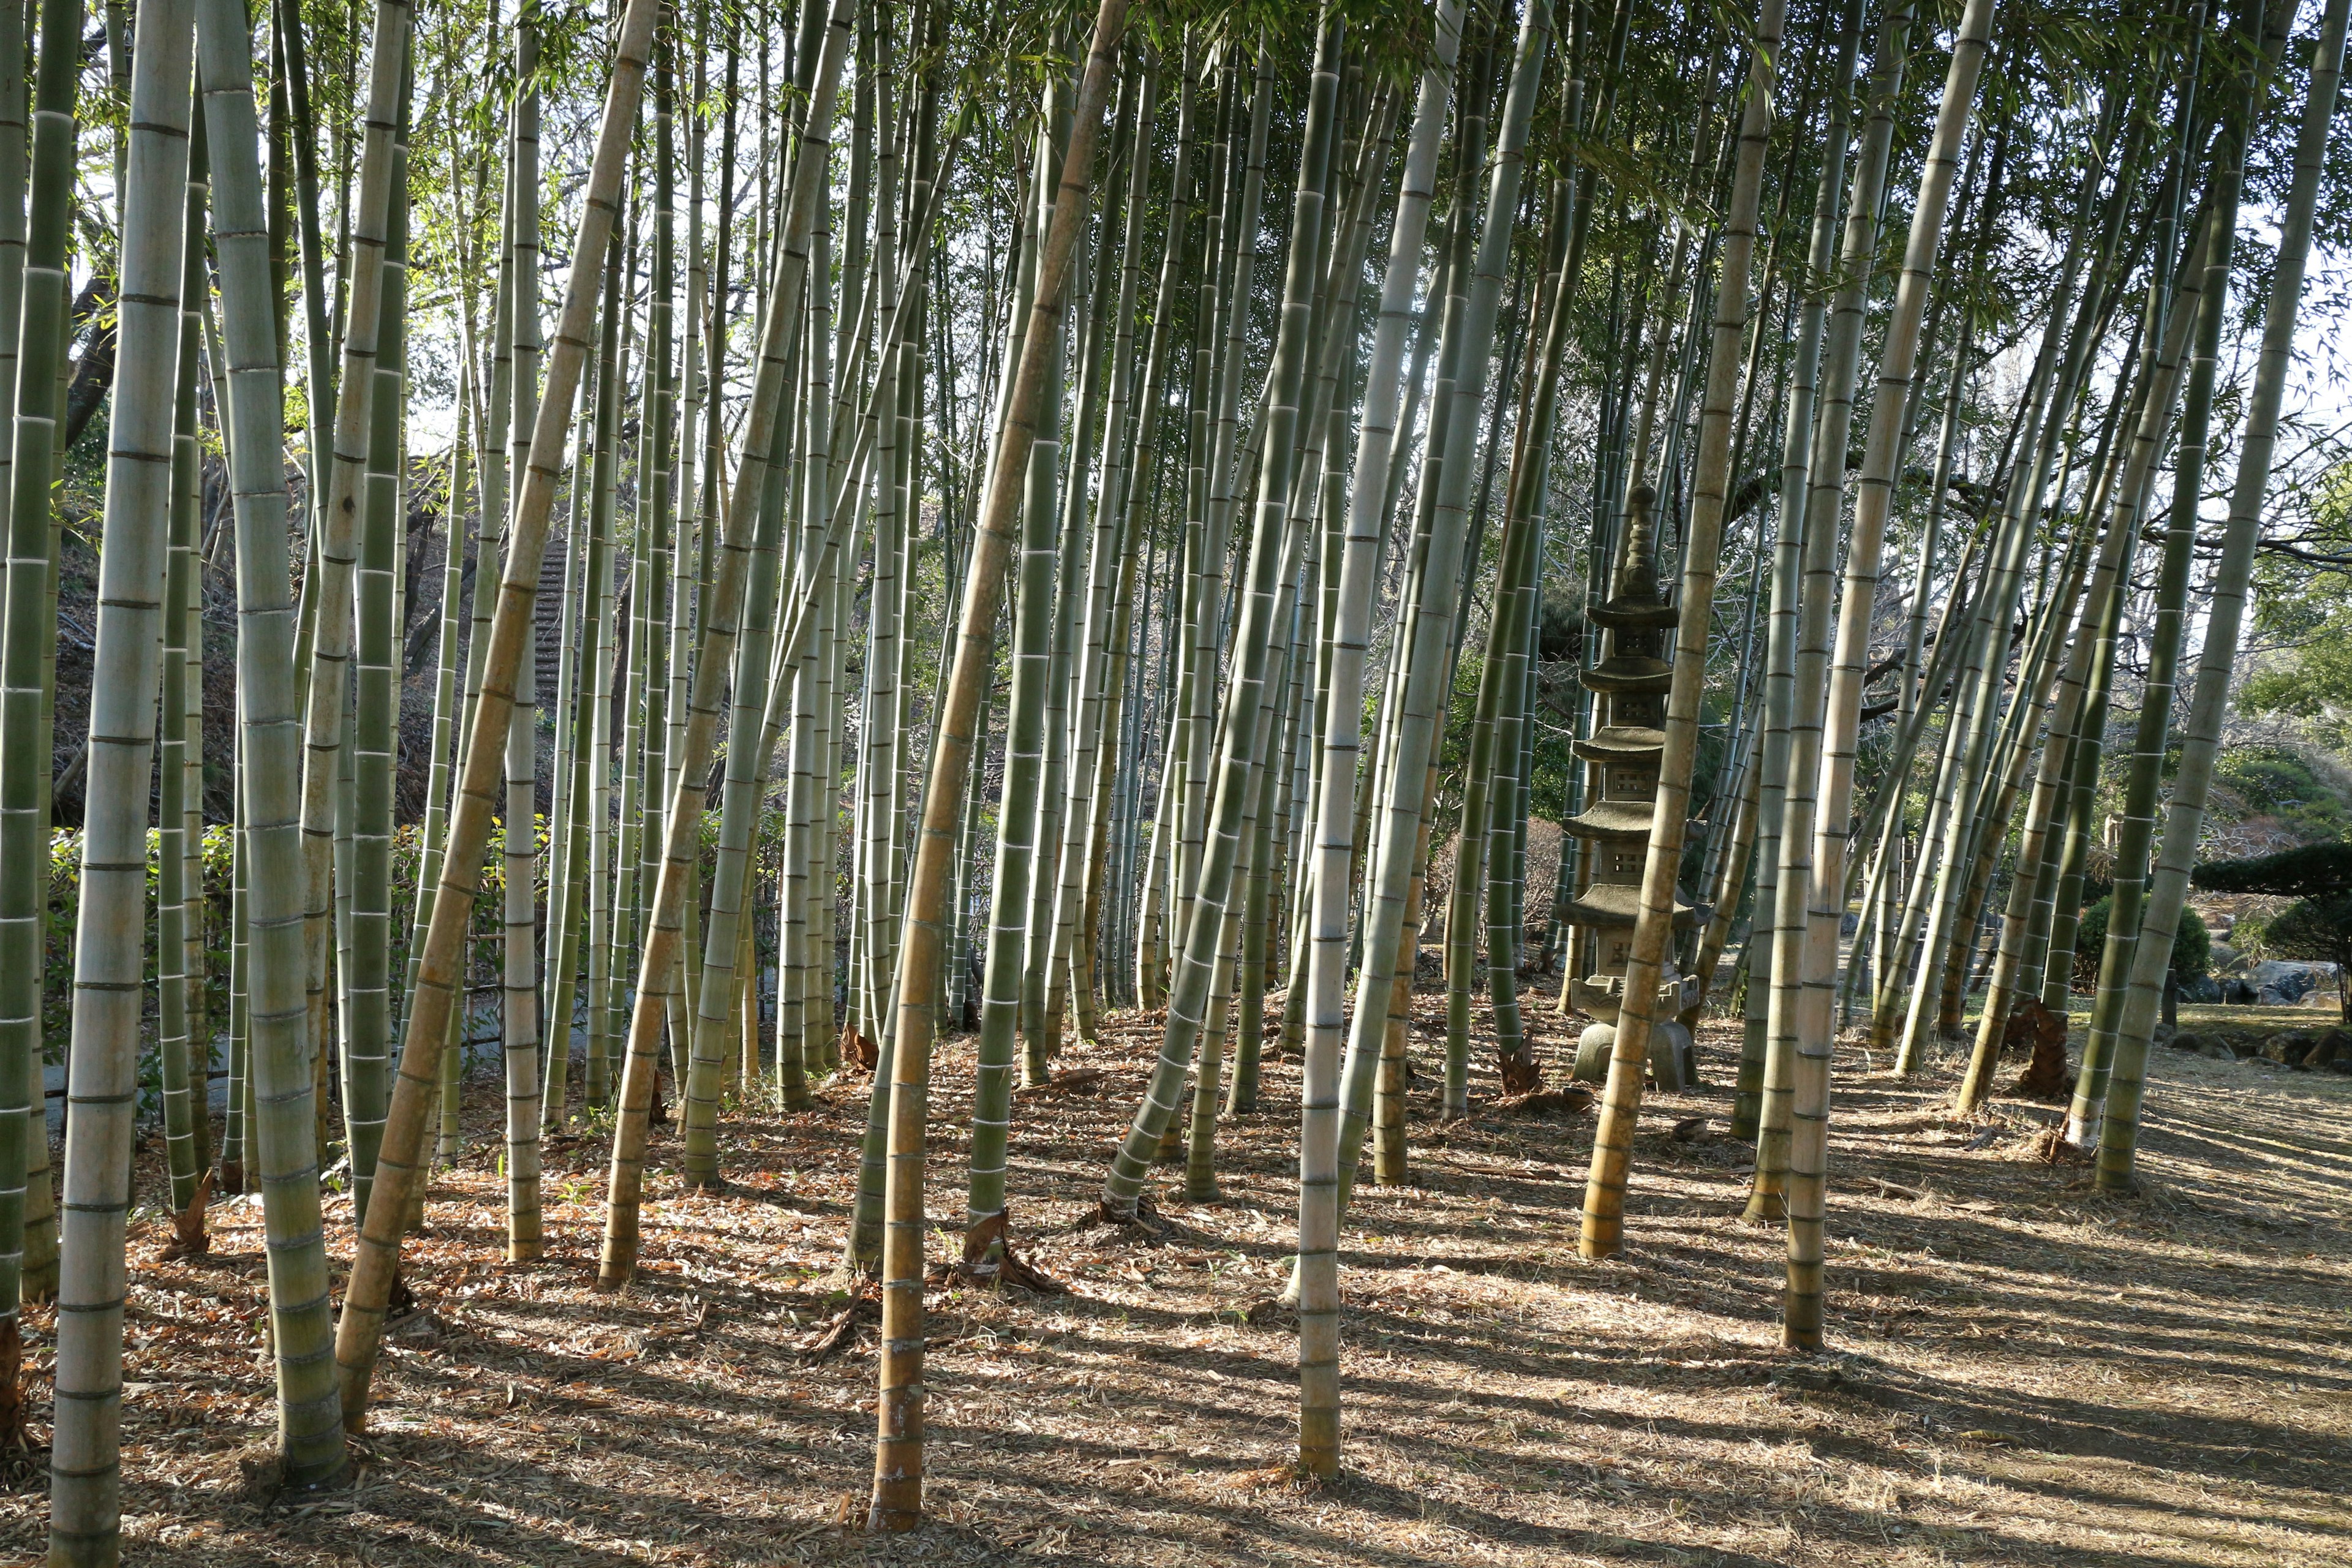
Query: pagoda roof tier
point(1622, 742)
point(1633, 613)
point(1631, 674)
point(1615, 904)
point(1612, 819)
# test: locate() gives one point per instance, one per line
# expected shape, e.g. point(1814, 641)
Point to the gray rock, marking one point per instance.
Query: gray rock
point(2216, 1051)
point(2283, 983)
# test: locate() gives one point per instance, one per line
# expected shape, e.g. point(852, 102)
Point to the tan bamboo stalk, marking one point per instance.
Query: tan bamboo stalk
point(440, 975)
point(898, 1447)
point(110, 925)
point(1825, 898)
point(1641, 1008)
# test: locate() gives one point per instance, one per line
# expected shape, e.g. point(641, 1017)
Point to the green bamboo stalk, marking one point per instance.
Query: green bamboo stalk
point(2203, 295)
point(1277, 542)
point(568, 822)
point(659, 969)
point(22, 941)
point(602, 648)
point(27, 1215)
point(1473, 292)
point(367, 994)
point(2168, 881)
point(1761, 1092)
point(283, 1153)
point(519, 1020)
point(338, 524)
point(1821, 495)
point(757, 713)
point(1010, 888)
point(179, 900)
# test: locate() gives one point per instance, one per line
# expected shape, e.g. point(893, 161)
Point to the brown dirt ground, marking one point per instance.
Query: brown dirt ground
point(2019, 1371)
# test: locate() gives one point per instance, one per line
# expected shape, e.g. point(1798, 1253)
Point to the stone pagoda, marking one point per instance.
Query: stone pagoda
point(1630, 681)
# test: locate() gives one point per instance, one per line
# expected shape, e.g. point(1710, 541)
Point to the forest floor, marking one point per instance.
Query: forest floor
point(2019, 1371)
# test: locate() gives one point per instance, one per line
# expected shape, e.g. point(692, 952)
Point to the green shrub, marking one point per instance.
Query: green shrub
point(2192, 945)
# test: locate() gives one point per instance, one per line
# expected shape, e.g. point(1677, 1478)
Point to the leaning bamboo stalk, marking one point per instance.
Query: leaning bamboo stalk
point(110, 936)
point(757, 695)
point(2202, 285)
point(1445, 534)
point(1710, 487)
point(898, 1477)
point(2045, 818)
point(2167, 882)
point(440, 974)
point(1275, 544)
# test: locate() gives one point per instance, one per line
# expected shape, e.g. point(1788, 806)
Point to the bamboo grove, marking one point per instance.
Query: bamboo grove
point(740, 541)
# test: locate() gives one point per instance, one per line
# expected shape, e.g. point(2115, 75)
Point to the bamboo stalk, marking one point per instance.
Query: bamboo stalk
point(898, 1483)
point(1825, 897)
point(110, 936)
point(439, 974)
point(2168, 881)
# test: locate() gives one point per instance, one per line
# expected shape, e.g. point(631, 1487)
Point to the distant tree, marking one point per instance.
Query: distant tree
point(2307, 871)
